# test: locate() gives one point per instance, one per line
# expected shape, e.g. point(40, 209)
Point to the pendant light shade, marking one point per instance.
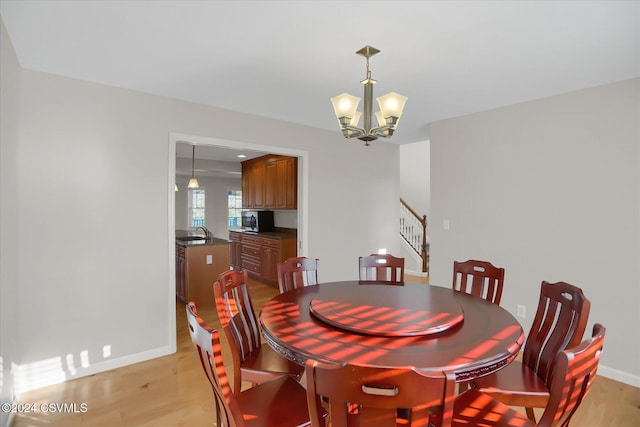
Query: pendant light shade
point(193, 182)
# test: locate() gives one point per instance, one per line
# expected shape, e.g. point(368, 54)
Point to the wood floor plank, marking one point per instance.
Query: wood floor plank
point(173, 391)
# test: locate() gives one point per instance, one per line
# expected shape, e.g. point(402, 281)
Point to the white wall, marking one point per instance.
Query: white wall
point(352, 218)
point(9, 242)
point(93, 179)
point(550, 190)
point(285, 218)
point(415, 177)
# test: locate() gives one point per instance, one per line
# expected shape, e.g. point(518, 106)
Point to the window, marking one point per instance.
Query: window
point(196, 207)
point(235, 207)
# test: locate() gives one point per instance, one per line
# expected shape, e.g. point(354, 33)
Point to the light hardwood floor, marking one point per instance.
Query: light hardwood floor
point(172, 390)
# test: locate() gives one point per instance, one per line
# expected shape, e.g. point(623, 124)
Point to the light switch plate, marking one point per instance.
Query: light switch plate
point(209, 259)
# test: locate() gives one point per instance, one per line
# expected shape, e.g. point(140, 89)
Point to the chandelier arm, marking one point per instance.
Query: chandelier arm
point(384, 134)
point(381, 128)
point(356, 131)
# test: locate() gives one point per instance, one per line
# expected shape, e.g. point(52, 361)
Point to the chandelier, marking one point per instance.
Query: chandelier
point(345, 106)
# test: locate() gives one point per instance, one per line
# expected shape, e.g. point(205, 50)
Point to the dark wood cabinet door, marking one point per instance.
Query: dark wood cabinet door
point(235, 250)
point(257, 184)
point(270, 259)
point(286, 183)
point(270, 184)
point(246, 184)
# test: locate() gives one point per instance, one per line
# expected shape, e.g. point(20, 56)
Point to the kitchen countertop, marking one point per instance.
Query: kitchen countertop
point(202, 242)
point(278, 233)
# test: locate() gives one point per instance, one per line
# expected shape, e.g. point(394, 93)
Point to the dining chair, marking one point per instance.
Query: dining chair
point(479, 278)
point(277, 403)
point(297, 272)
point(253, 361)
point(559, 323)
point(358, 395)
point(381, 268)
point(574, 371)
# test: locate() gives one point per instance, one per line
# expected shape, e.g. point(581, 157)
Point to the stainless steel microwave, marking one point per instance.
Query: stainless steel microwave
point(258, 221)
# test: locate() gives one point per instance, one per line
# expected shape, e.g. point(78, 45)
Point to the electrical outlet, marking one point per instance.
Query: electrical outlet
point(521, 311)
point(209, 259)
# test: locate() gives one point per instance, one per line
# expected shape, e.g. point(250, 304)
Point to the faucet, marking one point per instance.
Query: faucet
point(207, 233)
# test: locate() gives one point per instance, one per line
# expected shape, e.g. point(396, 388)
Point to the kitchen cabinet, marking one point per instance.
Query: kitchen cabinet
point(260, 253)
point(251, 254)
point(235, 250)
point(257, 185)
point(270, 182)
point(286, 183)
point(271, 255)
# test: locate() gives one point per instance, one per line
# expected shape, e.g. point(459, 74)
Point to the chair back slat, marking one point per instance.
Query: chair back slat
point(381, 268)
point(207, 343)
point(573, 374)
point(479, 278)
point(559, 323)
point(235, 310)
point(297, 272)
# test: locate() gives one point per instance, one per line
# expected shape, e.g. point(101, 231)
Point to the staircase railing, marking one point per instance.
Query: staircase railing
point(413, 229)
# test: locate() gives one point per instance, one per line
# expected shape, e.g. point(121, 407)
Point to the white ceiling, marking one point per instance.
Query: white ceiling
point(285, 59)
point(209, 161)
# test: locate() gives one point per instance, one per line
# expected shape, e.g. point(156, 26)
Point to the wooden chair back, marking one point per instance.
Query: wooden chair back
point(297, 272)
point(207, 343)
point(479, 278)
point(573, 373)
point(371, 396)
point(237, 317)
point(560, 321)
point(381, 268)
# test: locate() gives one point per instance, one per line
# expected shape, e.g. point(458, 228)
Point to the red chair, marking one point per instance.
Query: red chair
point(479, 278)
point(297, 272)
point(574, 371)
point(381, 268)
point(371, 396)
point(559, 323)
point(278, 403)
point(253, 361)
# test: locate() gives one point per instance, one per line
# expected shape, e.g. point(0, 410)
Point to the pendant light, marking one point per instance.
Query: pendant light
point(193, 182)
point(391, 106)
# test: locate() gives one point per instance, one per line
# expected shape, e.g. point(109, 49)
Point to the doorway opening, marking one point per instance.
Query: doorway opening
point(197, 140)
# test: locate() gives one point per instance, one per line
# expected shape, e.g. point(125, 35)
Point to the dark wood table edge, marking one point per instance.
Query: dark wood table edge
point(462, 375)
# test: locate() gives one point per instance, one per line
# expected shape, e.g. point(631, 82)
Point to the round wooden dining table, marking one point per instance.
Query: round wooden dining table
point(408, 324)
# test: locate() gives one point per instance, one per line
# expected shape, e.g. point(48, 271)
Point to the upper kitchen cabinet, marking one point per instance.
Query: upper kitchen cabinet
point(270, 182)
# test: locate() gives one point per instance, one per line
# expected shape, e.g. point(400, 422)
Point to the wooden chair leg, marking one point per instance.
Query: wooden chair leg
point(531, 414)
